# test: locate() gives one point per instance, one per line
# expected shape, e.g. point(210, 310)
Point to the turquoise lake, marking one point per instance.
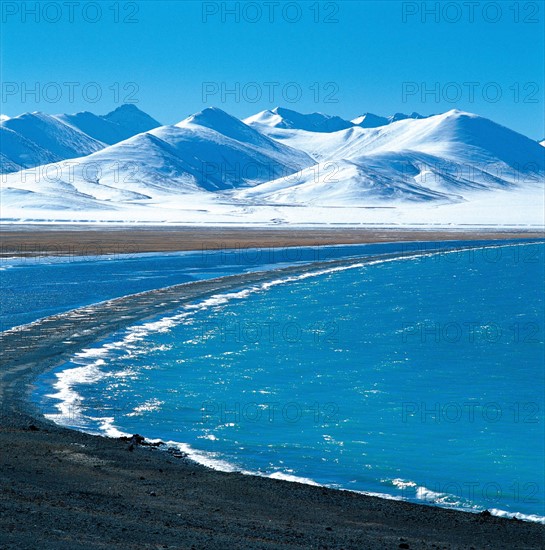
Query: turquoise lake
point(415, 378)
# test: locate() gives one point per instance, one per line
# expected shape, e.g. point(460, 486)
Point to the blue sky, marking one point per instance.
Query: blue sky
point(174, 58)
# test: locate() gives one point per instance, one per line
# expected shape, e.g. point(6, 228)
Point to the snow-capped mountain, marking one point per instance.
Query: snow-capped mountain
point(32, 139)
point(403, 116)
point(452, 135)
point(297, 131)
point(277, 165)
point(209, 151)
point(439, 158)
point(287, 119)
point(3, 117)
point(126, 121)
point(369, 120)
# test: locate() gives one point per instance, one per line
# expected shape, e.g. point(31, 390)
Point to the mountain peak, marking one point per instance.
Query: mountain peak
point(285, 113)
point(370, 120)
point(210, 117)
point(218, 120)
point(127, 107)
point(129, 115)
point(402, 116)
point(214, 118)
point(33, 115)
point(280, 117)
point(41, 137)
point(459, 113)
point(398, 116)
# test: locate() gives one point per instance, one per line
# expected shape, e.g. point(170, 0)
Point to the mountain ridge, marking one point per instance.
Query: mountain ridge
point(211, 157)
point(37, 136)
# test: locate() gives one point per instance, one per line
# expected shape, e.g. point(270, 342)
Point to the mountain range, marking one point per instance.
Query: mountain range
point(126, 165)
point(32, 139)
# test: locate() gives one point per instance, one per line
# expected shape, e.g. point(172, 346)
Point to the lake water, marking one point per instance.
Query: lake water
point(416, 378)
point(36, 287)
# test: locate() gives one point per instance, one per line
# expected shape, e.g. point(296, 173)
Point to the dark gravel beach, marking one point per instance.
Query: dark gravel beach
point(67, 490)
point(62, 489)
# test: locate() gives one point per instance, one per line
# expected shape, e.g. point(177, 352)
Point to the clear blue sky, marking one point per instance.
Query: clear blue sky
point(369, 56)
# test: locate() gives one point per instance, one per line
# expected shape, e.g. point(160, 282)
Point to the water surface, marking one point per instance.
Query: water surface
point(418, 378)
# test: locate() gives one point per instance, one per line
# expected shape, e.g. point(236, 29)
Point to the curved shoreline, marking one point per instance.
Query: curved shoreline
point(59, 336)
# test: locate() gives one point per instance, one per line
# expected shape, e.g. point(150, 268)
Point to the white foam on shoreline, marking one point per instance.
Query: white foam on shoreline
point(293, 479)
point(107, 427)
point(517, 515)
point(430, 497)
point(70, 404)
point(205, 458)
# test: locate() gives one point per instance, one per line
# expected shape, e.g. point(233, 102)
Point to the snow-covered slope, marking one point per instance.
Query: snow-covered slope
point(454, 135)
point(209, 151)
point(32, 139)
point(369, 120)
point(298, 131)
point(451, 168)
point(220, 143)
point(17, 152)
point(440, 158)
point(288, 119)
point(319, 145)
point(347, 183)
point(126, 121)
point(3, 117)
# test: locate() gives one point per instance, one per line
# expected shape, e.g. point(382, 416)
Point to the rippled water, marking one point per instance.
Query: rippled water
point(35, 287)
point(416, 378)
